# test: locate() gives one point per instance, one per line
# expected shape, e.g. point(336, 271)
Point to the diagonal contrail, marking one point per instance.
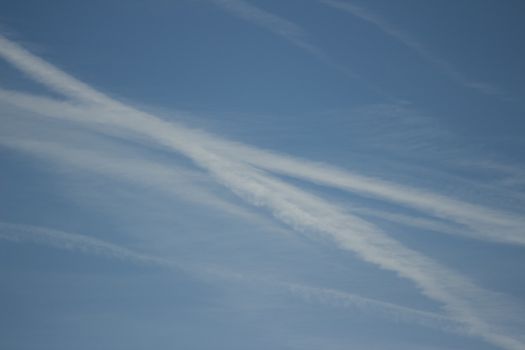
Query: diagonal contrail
point(89, 245)
point(478, 221)
point(483, 313)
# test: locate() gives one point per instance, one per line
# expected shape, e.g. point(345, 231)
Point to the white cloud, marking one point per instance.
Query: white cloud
point(484, 314)
point(399, 313)
point(73, 241)
point(269, 21)
point(411, 42)
point(90, 245)
point(479, 221)
point(169, 179)
point(291, 32)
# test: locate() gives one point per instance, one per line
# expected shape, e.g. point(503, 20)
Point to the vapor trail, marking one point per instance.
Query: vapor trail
point(484, 314)
point(412, 43)
point(479, 222)
point(89, 245)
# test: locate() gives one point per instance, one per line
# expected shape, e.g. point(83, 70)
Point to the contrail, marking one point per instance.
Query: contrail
point(482, 313)
point(73, 241)
point(399, 313)
point(48, 74)
point(413, 44)
point(290, 31)
point(485, 223)
point(167, 179)
point(479, 222)
point(293, 33)
point(89, 245)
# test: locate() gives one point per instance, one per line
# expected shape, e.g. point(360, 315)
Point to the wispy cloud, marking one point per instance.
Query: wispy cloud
point(182, 183)
point(415, 45)
point(287, 29)
point(478, 221)
point(399, 313)
point(89, 245)
point(293, 33)
point(483, 313)
point(47, 74)
point(485, 223)
point(343, 299)
point(76, 242)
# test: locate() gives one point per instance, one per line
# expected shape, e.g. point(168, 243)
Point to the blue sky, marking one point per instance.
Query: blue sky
point(230, 174)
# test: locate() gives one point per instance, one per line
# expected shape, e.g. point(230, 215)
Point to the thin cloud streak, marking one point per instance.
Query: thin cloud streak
point(166, 179)
point(483, 313)
point(485, 223)
point(291, 32)
point(48, 74)
point(399, 313)
point(343, 299)
point(479, 222)
point(314, 214)
point(88, 245)
point(414, 221)
point(75, 242)
point(412, 43)
point(275, 24)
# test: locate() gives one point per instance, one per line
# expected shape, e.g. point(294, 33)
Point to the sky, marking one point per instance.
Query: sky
point(243, 174)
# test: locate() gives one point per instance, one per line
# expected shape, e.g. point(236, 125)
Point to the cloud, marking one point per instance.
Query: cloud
point(484, 314)
point(89, 245)
point(167, 179)
point(76, 242)
point(47, 74)
point(412, 43)
point(399, 313)
point(479, 222)
point(343, 299)
point(291, 32)
point(484, 223)
point(269, 21)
